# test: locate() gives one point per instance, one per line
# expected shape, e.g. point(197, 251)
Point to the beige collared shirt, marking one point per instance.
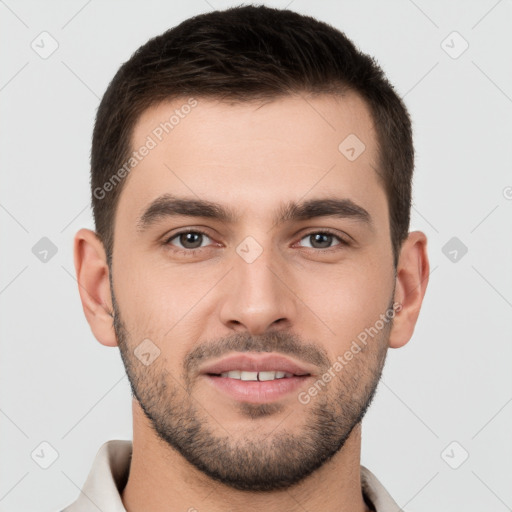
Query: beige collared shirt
point(109, 474)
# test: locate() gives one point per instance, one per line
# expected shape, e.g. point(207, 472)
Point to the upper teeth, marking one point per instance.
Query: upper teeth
point(242, 375)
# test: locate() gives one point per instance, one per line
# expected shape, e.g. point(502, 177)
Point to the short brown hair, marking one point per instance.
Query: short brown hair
point(242, 54)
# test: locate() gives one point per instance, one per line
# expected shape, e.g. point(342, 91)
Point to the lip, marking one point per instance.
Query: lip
point(257, 362)
point(256, 392)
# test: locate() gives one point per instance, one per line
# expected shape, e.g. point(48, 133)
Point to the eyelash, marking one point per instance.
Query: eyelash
point(193, 252)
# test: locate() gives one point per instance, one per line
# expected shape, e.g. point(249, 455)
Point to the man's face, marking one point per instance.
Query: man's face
point(290, 294)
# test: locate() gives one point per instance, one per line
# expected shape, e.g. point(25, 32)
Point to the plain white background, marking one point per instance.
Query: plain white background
point(452, 382)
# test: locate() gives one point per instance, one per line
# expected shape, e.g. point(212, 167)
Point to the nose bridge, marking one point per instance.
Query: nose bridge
point(256, 297)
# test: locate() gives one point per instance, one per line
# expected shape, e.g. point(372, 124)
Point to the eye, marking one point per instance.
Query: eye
point(188, 239)
point(323, 240)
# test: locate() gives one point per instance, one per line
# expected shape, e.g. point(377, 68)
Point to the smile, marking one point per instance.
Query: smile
point(256, 376)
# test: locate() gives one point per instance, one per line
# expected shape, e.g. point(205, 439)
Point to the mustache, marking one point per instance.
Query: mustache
point(284, 343)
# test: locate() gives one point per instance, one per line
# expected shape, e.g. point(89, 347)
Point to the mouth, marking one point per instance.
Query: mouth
point(257, 366)
point(257, 378)
point(262, 376)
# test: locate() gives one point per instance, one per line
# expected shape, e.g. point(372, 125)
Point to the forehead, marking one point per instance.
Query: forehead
point(254, 155)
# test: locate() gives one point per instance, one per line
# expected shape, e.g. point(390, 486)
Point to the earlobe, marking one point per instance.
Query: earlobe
point(411, 283)
point(92, 274)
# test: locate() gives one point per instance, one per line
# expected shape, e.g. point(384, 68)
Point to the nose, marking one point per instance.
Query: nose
point(256, 297)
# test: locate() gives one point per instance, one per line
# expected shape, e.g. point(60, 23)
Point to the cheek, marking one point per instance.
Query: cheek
point(156, 299)
point(352, 298)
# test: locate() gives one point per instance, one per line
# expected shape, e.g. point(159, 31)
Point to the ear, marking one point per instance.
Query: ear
point(93, 285)
point(411, 283)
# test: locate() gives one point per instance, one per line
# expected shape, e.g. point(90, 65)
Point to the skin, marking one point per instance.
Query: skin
point(251, 157)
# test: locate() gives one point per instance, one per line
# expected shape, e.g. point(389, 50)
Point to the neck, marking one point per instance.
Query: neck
point(161, 480)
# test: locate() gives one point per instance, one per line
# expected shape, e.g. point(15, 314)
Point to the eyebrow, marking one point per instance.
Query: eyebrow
point(169, 205)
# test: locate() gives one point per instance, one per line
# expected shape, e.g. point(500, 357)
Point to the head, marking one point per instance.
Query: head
point(251, 188)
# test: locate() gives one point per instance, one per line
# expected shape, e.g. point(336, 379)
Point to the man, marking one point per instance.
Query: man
point(251, 188)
